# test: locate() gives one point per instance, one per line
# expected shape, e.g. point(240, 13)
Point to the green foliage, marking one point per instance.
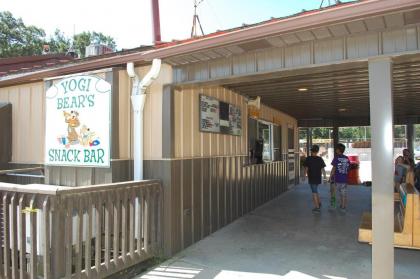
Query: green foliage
point(399, 132)
point(59, 43)
point(321, 133)
point(302, 134)
point(18, 39)
point(354, 133)
point(82, 40)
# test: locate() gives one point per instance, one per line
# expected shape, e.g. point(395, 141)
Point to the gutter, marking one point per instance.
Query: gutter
point(138, 99)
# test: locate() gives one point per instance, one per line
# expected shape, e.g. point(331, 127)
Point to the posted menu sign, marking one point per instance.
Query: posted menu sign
point(219, 117)
point(210, 114)
point(78, 122)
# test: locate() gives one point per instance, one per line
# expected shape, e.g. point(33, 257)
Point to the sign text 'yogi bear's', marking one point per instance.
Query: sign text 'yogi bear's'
point(78, 122)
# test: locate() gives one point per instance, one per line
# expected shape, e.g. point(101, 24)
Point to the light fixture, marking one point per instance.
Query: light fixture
point(342, 110)
point(303, 89)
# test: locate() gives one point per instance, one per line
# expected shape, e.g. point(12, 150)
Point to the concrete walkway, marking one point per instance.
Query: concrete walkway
point(283, 239)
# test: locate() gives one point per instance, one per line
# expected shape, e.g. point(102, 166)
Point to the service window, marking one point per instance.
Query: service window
point(276, 143)
point(264, 132)
point(267, 134)
point(291, 138)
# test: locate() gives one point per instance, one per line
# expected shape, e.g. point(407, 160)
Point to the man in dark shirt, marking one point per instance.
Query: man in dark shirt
point(314, 166)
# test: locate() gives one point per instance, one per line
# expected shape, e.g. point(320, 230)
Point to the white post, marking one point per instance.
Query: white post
point(381, 119)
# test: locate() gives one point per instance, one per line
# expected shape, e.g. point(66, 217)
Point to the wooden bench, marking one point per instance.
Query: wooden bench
point(406, 220)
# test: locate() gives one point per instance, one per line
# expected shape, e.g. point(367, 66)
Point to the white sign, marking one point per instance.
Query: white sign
point(78, 122)
point(219, 117)
point(209, 114)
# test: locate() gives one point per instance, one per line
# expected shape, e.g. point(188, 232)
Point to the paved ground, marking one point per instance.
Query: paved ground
point(284, 240)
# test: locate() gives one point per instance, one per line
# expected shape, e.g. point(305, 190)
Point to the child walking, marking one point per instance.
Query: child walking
point(314, 167)
point(339, 173)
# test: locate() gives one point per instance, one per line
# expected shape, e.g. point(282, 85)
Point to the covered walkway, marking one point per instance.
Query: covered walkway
point(283, 239)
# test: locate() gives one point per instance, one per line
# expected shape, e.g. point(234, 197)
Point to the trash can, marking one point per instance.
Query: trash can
point(353, 177)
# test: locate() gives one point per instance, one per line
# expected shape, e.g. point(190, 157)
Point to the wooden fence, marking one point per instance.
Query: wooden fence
point(78, 232)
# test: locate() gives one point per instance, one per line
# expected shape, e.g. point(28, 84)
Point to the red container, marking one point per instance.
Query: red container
point(353, 176)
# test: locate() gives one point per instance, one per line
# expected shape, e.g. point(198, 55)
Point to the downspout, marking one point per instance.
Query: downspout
point(138, 99)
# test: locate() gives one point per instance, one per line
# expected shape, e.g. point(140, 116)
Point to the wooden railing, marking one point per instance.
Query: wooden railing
point(78, 232)
point(29, 175)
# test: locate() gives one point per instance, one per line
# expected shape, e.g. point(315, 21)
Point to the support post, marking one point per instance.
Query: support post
point(335, 137)
point(57, 241)
point(410, 137)
point(381, 108)
point(308, 141)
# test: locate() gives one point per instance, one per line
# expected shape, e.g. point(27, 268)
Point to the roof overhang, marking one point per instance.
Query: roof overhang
point(306, 21)
point(338, 14)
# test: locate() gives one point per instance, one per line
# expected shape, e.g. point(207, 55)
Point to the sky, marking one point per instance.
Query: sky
point(129, 21)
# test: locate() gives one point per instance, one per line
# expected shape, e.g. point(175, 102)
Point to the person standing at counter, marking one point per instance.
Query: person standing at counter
point(340, 171)
point(408, 158)
point(401, 170)
point(314, 167)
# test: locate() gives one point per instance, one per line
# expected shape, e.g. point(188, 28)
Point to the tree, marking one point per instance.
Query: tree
point(321, 133)
point(17, 39)
point(82, 40)
point(59, 43)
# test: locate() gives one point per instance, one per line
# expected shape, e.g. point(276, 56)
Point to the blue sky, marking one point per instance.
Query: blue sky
point(129, 21)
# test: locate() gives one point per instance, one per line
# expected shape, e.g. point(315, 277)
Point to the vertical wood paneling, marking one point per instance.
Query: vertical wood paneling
point(228, 189)
point(298, 55)
point(244, 63)
point(186, 201)
point(328, 50)
point(411, 39)
point(187, 124)
point(220, 68)
point(221, 162)
point(206, 196)
point(36, 107)
point(124, 117)
point(269, 59)
point(394, 41)
point(362, 46)
point(197, 199)
point(195, 127)
point(176, 212)
point(153, 112)
point(214, 194)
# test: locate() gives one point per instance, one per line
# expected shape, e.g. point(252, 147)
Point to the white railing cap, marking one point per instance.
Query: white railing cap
point(64, 190)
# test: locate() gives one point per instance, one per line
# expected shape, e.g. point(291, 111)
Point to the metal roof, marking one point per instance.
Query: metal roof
point(20, 64)
point(353, 17)
point(335, 92)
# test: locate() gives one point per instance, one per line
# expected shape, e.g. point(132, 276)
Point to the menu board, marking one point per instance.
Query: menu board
point(235, 120)
point(209, 114)
point(219, 117)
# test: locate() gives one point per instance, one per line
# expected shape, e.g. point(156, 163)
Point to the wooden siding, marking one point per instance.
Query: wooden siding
point(28, 121)
point(28, 118)
point(191, 143)
point(220, 190)
point(202, 195)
